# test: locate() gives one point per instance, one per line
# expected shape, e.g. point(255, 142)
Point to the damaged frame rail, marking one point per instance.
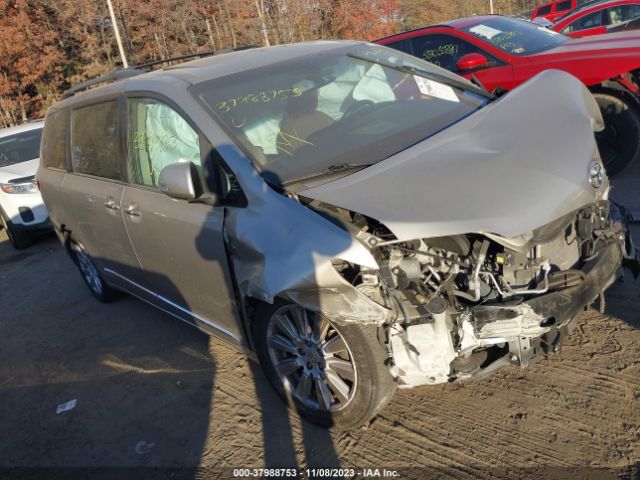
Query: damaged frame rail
point(524, 331)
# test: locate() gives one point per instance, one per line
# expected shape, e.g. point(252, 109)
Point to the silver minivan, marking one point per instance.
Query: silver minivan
point(353, 217)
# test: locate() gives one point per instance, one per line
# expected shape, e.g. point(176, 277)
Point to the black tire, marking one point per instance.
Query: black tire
point(91, 275)
point(619, 143)
point(373, 386)
point(19, 240)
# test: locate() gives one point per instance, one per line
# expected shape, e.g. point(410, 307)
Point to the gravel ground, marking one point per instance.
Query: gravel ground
point(153, 392)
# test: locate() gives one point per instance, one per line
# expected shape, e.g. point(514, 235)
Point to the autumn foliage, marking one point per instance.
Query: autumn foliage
point(47, 45)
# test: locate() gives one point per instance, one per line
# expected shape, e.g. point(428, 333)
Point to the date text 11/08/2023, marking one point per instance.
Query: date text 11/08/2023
point(242, 473)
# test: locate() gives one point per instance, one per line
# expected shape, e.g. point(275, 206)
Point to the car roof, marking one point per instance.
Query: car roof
point(453, 24)
point(468, 21)
point(5, 132)
point(209, 68)
point(595, 5)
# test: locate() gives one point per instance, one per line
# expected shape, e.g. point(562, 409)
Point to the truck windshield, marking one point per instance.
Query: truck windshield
point(20, 147)
point(344, 109)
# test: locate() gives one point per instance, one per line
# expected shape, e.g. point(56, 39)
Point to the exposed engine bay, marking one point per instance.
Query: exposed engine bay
point(463, 304)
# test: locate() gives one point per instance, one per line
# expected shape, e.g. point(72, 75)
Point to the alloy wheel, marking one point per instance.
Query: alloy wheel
point(89, 271)
point(311, 358)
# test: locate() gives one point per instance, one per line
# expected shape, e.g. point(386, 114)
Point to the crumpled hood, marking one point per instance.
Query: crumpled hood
point(19, 170)
point(515, 165)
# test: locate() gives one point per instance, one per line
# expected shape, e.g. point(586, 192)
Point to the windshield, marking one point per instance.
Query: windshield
point(516, 37)
point(341, 110)
point(20, 147)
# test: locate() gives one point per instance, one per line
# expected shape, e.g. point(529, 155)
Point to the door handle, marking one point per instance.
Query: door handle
point(111, 205)
point(133, 211)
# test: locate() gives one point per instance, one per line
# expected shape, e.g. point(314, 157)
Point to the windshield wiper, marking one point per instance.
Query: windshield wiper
point(437, 77)
point(329, 170)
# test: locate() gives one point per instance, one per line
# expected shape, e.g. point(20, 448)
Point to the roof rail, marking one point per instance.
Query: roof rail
point(143, 68)
point(113, 76)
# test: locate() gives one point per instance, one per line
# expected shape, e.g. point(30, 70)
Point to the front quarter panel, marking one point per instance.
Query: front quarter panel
point(278, 247)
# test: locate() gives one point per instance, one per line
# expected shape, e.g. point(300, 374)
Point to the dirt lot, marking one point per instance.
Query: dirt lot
point(153, 392)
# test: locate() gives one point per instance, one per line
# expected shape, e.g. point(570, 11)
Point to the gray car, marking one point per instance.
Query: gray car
point(357, 219)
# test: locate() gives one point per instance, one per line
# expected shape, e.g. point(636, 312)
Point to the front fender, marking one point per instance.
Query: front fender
point(280, 248)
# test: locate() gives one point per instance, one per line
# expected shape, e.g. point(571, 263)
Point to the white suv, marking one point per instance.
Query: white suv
point(22, 212)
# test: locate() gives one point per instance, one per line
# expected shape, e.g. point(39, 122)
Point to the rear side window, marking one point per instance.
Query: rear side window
point(54, 140)
point(157, 136)
point(564, 6)
point(544, 10)
point(94, 140)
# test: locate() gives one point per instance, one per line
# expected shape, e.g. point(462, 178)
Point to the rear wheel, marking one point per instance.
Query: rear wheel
point(91, 275)
point(334, 375)
point(619, 143)
point(19, 240)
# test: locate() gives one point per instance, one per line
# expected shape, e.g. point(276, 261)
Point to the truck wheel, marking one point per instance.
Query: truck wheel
point(19, 240)
point(334, 375)
point(619, 143)
point(92, 277)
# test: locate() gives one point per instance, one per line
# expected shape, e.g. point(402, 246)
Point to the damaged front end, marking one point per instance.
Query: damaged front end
point(471, 250)
point(466, 305)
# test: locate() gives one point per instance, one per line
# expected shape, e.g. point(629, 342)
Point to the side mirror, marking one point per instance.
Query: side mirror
point(180, 180)
point(471, 61)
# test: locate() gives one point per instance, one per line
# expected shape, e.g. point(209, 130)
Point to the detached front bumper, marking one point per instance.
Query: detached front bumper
point(563, 306)
point(560, 308)
point(599, 273)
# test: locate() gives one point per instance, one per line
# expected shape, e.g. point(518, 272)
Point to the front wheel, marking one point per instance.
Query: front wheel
point(335, 375)
point(619, 142)
point(19, 240)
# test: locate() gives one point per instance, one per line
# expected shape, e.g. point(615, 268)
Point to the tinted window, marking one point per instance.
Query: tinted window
point(20, 147)
point(94, 137)
point(592, 20)
point(54, 140)
point(157, 136)
point(444, 50)
point(516, 37)
point(546, 10)
point(342, 109)
point(564, 6)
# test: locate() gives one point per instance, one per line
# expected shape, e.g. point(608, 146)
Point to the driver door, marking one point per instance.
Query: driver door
point(179, 244)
